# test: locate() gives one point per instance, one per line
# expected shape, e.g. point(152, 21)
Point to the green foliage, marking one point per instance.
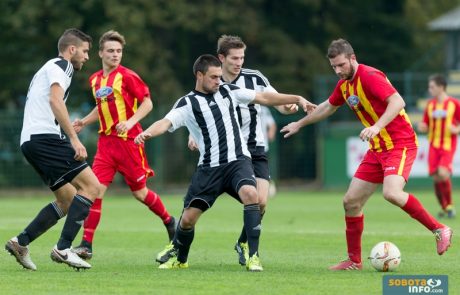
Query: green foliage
point(287, 40)
point(303, 233)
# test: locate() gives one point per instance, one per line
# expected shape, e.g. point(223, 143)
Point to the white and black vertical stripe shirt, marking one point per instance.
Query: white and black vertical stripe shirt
point(38, 116)
point(249, 114)
point(211, 119)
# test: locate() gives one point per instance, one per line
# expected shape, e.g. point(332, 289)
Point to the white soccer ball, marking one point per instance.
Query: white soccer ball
point(385, 256)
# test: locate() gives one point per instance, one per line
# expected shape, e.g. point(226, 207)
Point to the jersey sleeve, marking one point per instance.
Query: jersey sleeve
point(377, 84)
point(179, 114)
point(241, 95)
point(56, 75)
point(336, 98)
point(425, 118)
point(457, 111)
point(137, 86)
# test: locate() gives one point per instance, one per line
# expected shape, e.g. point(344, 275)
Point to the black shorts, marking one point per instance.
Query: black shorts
point(210, 182)
point(52, 157)
point(260, 163)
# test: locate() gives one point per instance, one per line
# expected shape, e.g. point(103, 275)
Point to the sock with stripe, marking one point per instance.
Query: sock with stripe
point(353, 233)
point(251, 217)
point(45, 219)
point(78, 211)
point(153, 201)
point(415, 209)
point(182, 242)
point(243, 237)
point(92, 221)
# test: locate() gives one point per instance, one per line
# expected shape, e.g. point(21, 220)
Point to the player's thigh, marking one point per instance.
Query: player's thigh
point(359, 191)
point(240, 181)
point(104, 166)
point(206, 186)
point(133, 165)
point(87, 184)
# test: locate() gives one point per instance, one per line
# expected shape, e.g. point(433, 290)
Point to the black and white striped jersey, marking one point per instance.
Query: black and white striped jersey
point(38, 116)
point(211, 119)
point(249, 114)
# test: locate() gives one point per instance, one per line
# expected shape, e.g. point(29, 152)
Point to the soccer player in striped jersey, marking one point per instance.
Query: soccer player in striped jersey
point(231, 53)
point(392, 147)
point(51, 146)
point(441, 120)
point(122, 100)
point(209, 113)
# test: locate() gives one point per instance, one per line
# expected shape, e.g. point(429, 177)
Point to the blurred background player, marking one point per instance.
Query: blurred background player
point(51, 146)
point(209, 113)
point(269, 129)
point(231, 53)
point(441, 120)
point(392, 147)
point(118, 91)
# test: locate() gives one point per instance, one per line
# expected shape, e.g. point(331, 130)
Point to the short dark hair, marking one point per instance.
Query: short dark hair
point(203, 62)
point(227, 42)
point(72, 37)
point(111, 36)
point(439, 80)
point(338, 47)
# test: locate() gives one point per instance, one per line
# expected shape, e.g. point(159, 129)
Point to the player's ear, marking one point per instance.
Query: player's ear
point(221, 57)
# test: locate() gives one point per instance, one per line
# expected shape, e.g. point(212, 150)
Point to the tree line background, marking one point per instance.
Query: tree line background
point(287, 41)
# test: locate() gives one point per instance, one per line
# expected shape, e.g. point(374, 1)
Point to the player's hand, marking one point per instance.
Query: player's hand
point(290, 129)
point(455, 129)
point(369, 133)
point(78, 125)
point(192, 144)
point(290, 108)
point(141, 138)
point(307, 106)
point(124, 127)
point(80, 150)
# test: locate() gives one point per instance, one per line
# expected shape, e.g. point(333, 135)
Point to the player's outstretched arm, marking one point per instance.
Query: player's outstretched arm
point(79, 124)
point(422, 127)
point(322, 111)
point(145, 108)
point(274, 99)
point(156, 129)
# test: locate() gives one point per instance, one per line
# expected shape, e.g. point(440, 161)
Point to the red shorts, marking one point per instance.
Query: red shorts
point(439, 157)
point(115, 154)
point(397, 161)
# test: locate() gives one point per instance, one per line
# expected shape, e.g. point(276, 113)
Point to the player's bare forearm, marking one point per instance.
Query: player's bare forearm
point(143, 110)
point(422, 127)
point(60, 110)
point(395, 105)
point(90, 118)
point(156, 129)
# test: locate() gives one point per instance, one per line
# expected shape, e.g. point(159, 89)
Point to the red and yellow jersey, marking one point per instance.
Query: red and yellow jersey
point(439, 117)
point(117, 98)
point(366, 95)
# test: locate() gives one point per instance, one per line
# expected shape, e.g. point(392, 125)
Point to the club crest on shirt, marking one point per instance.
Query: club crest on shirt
point(104, 91)
point(353, 100)
point(439, 114)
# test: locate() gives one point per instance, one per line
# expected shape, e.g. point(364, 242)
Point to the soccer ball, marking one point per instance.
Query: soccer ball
point(385, 256)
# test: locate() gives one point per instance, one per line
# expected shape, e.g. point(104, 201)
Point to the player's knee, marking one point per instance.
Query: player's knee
point(186, 222)
point(392, 195)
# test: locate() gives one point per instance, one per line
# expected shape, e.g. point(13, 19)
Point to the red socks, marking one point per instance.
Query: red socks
point(153, 201)
point(445, 188)
point(354, 231)
point(415, 209)
point(92, 221)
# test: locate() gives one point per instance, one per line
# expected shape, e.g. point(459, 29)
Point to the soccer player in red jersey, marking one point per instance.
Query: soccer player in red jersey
point(392, 147)
point(118, 91)
point(441, 121)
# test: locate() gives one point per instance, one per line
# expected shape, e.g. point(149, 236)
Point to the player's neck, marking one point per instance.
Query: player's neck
point(229, 77)
point(108, 69)
point(442, 97)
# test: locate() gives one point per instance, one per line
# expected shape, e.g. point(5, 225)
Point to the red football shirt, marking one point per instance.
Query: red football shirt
point(440, 116)
point(366, 95)
point(117, 98)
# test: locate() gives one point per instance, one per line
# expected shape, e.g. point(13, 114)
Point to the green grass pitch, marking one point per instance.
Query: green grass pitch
point(303, 234)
